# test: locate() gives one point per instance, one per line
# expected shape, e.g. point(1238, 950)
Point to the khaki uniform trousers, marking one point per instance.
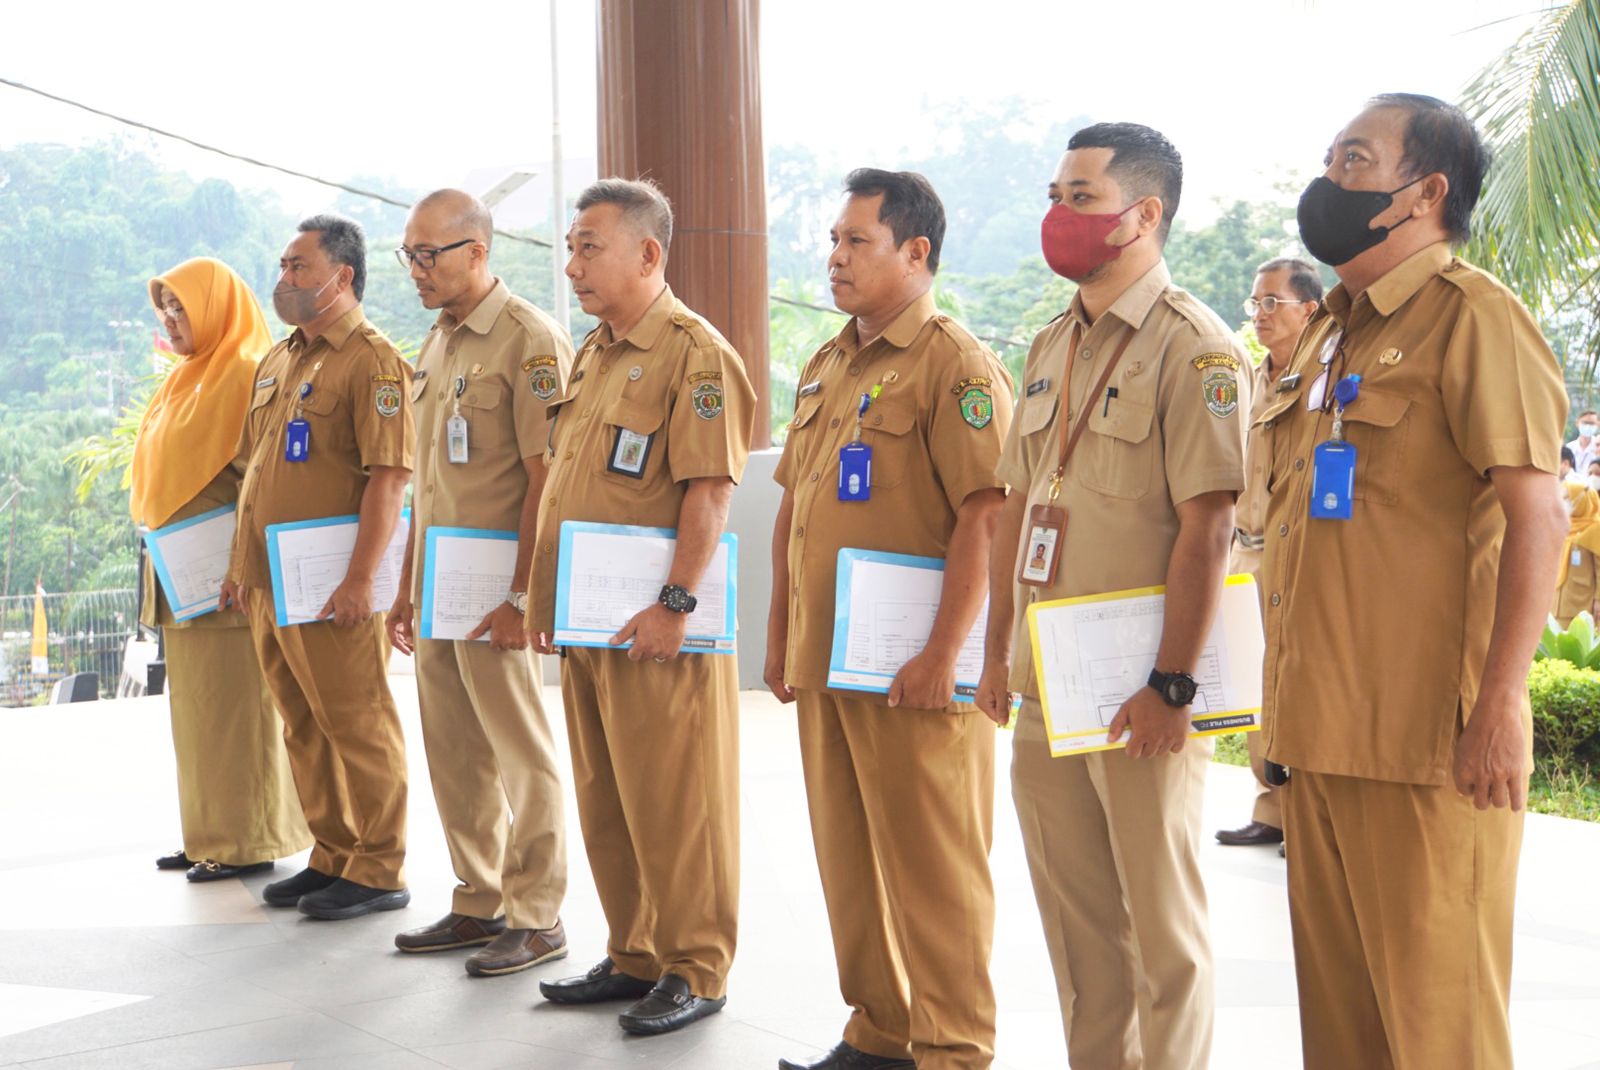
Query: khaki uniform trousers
point(902, 813)
point(489, 747)
point(235, 794)
point(655, 763)
point(343, 736)
point(1401, 900)
point(1113, 848)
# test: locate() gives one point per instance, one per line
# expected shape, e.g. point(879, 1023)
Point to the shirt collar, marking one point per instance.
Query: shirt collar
point(901, 332)
point(1134, 304)
point(651, 325)
point(481, 320)
point(338, 332)
point(1398, 286)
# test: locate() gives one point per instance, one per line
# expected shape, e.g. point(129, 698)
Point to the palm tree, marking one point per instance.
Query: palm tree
point(1538, 223)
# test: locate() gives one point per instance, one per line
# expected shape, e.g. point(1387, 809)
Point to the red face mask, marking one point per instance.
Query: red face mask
point(1074, 243)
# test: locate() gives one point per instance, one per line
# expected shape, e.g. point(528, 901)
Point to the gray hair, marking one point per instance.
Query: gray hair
point(1303, 277)
point(344, 243)
point(643, 205)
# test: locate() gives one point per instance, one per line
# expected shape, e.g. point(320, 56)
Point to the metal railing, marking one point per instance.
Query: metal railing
point(88, 632)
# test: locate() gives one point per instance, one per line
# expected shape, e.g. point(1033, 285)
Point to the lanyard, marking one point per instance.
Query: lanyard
point(1068, 444)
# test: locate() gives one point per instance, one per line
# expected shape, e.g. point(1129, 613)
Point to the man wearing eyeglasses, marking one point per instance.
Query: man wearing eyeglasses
point(1285, 294)
point(1414, 532)
point(486, 370)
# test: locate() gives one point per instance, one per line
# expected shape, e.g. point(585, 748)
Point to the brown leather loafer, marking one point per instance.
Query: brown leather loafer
point(517, 949)
point(450, 931)
point(1254, 834)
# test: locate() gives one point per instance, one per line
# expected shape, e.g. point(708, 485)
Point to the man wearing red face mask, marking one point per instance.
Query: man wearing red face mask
point(1130, 435)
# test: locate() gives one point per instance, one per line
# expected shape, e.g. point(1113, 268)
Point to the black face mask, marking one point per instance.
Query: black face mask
point(1336, 223)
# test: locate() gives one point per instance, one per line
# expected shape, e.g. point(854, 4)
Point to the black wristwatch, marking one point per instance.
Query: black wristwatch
point(1175, 688)
point(678, 599)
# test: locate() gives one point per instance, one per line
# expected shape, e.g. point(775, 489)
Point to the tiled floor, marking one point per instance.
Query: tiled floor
point(106, 963)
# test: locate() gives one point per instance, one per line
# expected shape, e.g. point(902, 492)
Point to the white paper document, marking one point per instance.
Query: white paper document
point(884, 608)
point(466, 573)
point(190, 559)
point(309, 559)
point(1090, 654)
point(607, 573)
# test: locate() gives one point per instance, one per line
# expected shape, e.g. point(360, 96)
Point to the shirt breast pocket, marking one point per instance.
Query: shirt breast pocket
point(633, 453)
point(483, 406)
point(1036, 414)
point(1270, 427)
point(260, 410)
point(1376, 425)
point(889, 432)
point(1115, 456)
point(324, 411)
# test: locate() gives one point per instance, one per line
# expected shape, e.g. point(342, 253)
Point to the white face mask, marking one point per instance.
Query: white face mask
point(1588, 430)
point(1594, 483)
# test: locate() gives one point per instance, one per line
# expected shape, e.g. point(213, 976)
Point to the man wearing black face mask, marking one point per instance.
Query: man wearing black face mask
point(1411, 464)
point(1155, 387)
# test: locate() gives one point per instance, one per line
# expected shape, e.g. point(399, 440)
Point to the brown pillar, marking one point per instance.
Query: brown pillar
point(680, 103)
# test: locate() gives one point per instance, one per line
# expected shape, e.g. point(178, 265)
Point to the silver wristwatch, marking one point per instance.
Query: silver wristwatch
point(519, 601)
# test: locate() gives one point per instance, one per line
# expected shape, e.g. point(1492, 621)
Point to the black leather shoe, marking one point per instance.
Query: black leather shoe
point(1254, 834)
point(449, 932)
point(175, 860)
point(346, 899)
point(208, 870)
point(670, 1005)
point(599, 985)
point(287, 893)
point(844, 1057)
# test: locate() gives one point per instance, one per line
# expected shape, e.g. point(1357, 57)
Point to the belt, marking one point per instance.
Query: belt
point(1250, 542)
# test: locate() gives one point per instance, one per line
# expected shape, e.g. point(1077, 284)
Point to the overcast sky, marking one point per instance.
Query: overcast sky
point(1251, 92)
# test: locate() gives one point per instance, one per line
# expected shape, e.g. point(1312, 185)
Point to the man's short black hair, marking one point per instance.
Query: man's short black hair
point(1303, 277)
point(910, 207)
point(1143, 161)
point(1440, 137)
point(344, 242)
point(1568, 456)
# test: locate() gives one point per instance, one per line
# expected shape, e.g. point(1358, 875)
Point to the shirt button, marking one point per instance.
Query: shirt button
point(834, 423)
point(815, 476)
point(1085, 353)
point(799, 532)
point(1283, 529)
point(1276, 599)
point(569, 455)
point(876, 420)
point(854, 370)
point(587, 411)
point(1299, 463)
point(546, 547)
point(441, 395)
point(430, 488)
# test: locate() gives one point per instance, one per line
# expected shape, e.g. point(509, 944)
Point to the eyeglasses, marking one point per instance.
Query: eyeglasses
point(169, 312)
point(1268, 304)
point(426, 257)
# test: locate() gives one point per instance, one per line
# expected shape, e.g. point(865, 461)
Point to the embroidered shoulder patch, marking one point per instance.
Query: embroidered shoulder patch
point(976, 380)
point(386, 378)
point(542, 381)
point(977, 407)
point(386, 399)
point(705, 377)
point(536, 362)
point(707, 399)
point(1216, 360)
point(1221, 391)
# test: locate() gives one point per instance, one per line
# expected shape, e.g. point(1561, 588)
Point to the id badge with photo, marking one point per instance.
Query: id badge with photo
point(455, 434)
point(630, 453)
point(1041, 553)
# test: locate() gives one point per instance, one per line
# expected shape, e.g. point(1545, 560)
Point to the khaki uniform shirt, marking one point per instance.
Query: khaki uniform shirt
point(935, 431)
point(641, 416)
point(154, 609)
point(1250, 512)
point(359, 409)
point(1390, 611)
point(1174, 430)
point(511, 360)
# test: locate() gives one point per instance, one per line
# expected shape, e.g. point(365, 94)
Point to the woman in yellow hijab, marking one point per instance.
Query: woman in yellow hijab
point(235, 796)
point(1578, 582)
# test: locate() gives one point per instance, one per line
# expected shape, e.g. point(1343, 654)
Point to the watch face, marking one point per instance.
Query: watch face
point(1180, 690)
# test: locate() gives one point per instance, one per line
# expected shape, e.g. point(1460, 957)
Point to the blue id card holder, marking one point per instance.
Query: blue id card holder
point(297, 442)
point(855, 472)
point(1333, 481)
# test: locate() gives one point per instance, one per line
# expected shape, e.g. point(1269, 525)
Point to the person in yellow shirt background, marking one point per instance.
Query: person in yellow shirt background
point(1578, 582)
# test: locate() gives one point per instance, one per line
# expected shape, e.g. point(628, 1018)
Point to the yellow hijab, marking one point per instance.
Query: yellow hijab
point(191, 429)
point(1584, 530)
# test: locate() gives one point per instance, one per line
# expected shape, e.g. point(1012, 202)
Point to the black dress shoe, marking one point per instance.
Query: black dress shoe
point(175, 860)
point(1254, 834)
point(346, 899)
point(844, 1057)
point(287, 893)
point(670, 1005)
point(207, 870)
point(449, 932)
point(599, 985)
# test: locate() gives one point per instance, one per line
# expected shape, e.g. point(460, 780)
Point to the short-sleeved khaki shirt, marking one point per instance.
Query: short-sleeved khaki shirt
point(359, 409)
point(1378, 626)
point(935, 431)
point(510, 360)
point(641, 416)
point(1174, 430)
point(1250, 511)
